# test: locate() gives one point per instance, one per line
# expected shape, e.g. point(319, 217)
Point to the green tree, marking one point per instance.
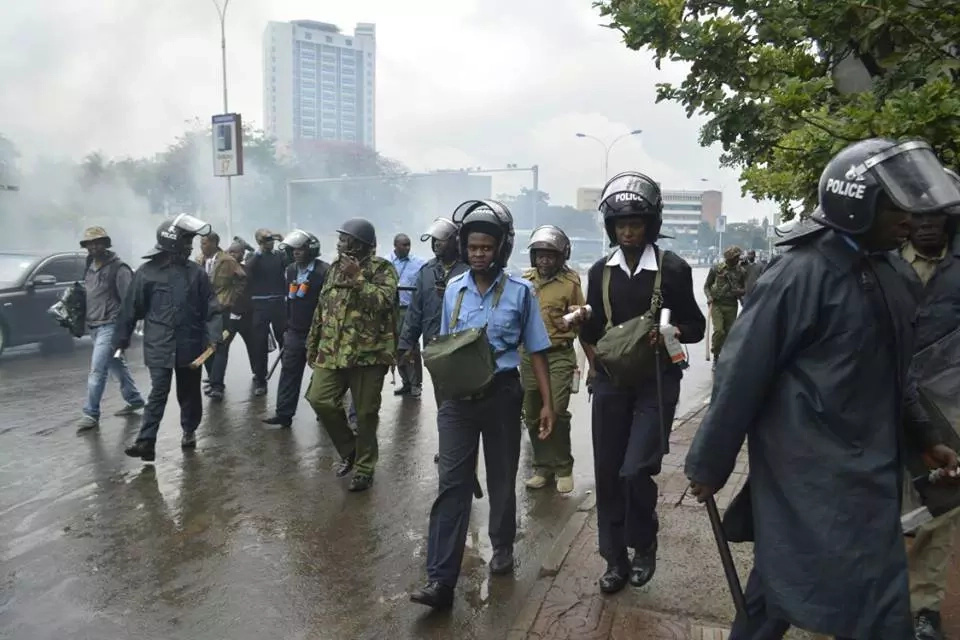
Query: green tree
point(784, 85)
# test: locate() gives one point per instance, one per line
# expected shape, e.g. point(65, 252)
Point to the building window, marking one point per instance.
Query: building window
point(349, 42)
point(308, 36)
point(329, 39)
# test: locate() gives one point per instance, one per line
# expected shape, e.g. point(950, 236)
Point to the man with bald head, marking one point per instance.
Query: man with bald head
point(407, 266)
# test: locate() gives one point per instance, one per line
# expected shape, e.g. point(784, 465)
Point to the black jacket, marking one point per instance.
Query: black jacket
point(817, 383)
point(180, 312)
point(266, 275)
point(423, 315)
point(630, 297)
point(300, 310)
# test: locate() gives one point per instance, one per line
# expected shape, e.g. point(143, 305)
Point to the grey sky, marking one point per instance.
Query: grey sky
point(465, 83)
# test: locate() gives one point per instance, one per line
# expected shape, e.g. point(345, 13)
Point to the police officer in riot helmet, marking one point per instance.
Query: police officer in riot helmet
point(181, 318)
point(630, 417)
point(305, 276)
point(485, 296)
point(816, 373)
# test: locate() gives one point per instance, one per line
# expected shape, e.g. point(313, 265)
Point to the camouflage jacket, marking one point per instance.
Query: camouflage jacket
point(725, 284)
point(355, 324)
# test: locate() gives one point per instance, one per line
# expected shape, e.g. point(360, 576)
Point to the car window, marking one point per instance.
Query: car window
point(63, 268)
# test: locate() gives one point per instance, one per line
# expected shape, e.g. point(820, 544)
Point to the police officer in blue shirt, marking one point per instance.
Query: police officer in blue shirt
point(408, 268)
point(486, 240)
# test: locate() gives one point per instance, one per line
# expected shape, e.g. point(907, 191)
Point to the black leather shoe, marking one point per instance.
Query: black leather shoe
point(215, 394)
point(360, 482)
point(278, 420)
point(188, 441)
point(345, 466)
point(402, 391)
point(143, 449)
point(928, 625)
point(416, 392)
point(436, 595)
point(614, 578)
point(644, 565)
point(260, 390)
point(502, 561)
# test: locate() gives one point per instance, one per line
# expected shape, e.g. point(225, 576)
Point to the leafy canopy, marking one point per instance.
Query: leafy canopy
point(785, 84)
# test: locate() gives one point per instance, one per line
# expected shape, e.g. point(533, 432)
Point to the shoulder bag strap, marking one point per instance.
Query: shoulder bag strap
point(455, 318)
point(656, 300)
point(607, 307)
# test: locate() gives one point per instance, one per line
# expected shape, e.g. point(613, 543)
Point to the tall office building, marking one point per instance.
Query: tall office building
point(319, 83)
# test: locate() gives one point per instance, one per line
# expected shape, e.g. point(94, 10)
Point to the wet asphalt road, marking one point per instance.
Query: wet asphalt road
point(251, 536)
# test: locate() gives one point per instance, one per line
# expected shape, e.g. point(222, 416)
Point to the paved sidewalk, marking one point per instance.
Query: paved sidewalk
point(688, 598)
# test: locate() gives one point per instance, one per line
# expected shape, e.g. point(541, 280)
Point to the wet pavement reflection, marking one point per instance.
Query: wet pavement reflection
point(251, 535)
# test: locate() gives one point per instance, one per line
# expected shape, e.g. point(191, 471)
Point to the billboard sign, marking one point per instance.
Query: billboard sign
point(227, 145)
point(721, 224)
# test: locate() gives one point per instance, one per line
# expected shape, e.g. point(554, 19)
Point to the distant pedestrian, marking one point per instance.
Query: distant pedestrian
point(106, 280)
point(724, 287)
point(408, 269)
point(266, 279)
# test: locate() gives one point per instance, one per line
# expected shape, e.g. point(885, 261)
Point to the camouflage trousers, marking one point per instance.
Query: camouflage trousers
point(551, 456)
point(325, 395)
point(722, 315)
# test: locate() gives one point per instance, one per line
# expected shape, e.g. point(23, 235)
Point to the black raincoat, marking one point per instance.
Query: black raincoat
point(180, 312)
point(814, 375)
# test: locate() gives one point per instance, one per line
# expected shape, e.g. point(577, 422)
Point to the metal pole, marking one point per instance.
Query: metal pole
point(223, 55)
point(289, 205)
point(536, 192)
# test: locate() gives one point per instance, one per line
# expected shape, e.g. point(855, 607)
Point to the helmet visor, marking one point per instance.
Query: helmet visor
point(440, 229)
point(187, 223)
point(629, 191)
point(501, 213)
point(296, 239)
point(913, 177)
point(548, 237)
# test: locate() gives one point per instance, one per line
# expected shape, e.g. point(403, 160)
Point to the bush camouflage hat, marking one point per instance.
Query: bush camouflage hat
point(91, 234)
point(732, 252)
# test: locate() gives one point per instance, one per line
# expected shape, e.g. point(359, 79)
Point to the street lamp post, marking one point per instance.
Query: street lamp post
point(606, 167)
point(222, 13)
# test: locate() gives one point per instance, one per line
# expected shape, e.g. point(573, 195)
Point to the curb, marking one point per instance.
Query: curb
point(560, 549)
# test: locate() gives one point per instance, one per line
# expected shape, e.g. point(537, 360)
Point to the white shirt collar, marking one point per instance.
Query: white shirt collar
point(648, 261)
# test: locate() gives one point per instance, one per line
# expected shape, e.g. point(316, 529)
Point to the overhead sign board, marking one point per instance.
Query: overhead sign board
point(721, 224)
point(227, 145)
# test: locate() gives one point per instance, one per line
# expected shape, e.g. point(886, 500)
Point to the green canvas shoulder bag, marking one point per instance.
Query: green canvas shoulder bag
point(462, 364)
point(624, 351)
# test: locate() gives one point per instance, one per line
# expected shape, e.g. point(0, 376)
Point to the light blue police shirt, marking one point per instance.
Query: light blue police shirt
point(508, 326)
point(407, 270)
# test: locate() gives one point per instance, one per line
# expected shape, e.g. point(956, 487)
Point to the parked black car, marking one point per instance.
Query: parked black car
point(30, 283)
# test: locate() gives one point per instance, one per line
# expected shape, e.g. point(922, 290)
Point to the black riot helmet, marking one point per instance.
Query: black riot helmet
point(551, 238)
point(300, 239)
point(908, 173)
point(361, 229)
point(440, 229)
point(176, 236)
point(631, 194)
point(486, 216)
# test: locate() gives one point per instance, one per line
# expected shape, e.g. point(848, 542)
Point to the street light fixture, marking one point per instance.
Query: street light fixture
point(608, 147)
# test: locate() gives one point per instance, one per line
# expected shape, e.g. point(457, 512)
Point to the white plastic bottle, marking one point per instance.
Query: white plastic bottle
point(669, 332)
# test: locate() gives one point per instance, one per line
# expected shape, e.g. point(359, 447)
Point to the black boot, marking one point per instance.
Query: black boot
point(928, 625)
point(502, 561)
point(402, 391)
point(644, 566)
point(614, 578)
point(345, 466)
point(436, 595)
point(143, 449)
point(278, 421)
point(188, 440)
point(360, 482)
